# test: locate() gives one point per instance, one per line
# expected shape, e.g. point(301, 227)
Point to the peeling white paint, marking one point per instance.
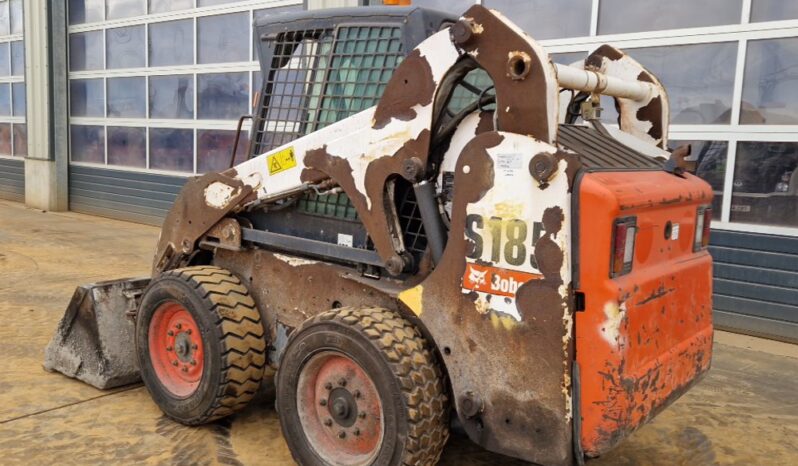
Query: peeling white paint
point(218, 195)
point(611, 328)
point(294, 261)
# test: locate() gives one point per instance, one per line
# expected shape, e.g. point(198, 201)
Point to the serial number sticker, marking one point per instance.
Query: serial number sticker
point(495, 280)
point(509, 163)
point(281, 161)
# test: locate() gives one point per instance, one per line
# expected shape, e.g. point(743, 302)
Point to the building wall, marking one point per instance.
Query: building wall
point(156, 88)
point(13, 131)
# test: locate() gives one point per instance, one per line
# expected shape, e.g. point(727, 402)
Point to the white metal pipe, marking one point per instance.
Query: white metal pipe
point(592, 81)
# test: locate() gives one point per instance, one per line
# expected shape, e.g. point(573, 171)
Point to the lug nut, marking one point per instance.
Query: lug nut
point(342, 434)
point(170, 333)
point(356, 432)
point(361, 415)
point(179, 326)
point(168, 348)
point(194, 346)
point(193, 362)
point(188, 331)
point(342, 382)
point(328, 422)
point(323, 402)
point(184, 369)
point(174, 363)
point(328, 386)
point(356, 394)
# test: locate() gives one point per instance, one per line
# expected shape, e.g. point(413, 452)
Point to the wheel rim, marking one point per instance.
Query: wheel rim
point(175, 347)
point(340, 409)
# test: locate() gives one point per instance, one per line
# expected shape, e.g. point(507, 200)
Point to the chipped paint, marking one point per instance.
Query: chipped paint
point(611, 328)
point(411, 297)
point(218, 195)
point(294, 261)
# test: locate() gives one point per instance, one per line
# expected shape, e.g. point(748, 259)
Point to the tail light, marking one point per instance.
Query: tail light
point(702, 223)
point(623, 246)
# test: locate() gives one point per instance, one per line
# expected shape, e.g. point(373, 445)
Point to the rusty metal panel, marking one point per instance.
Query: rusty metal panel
point(597, 150)
point(644, 337)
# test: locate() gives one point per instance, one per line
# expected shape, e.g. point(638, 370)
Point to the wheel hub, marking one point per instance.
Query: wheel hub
point(175, 348)
point(340, 409)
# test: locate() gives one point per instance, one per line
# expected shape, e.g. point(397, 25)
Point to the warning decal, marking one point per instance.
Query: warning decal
point(281, 161)
point(495, 280)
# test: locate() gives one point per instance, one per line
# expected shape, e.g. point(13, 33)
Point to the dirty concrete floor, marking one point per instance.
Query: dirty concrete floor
point(745, 412)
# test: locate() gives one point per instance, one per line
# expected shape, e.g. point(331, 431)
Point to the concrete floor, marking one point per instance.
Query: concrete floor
point(745, 412)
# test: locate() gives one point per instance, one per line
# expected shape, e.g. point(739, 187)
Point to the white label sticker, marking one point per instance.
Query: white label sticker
point(675, 231)
point(344, 240)
point(509, 163)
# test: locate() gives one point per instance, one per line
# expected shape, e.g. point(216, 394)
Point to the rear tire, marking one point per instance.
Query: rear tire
point(200, 342)
point(361, 387)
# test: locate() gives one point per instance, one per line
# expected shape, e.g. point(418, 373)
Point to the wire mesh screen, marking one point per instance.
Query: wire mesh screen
point(415, 238)
point(328, 205)
point(321, 76)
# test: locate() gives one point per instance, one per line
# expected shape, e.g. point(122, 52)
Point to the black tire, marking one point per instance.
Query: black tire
point(400, 364)
point(232, 342)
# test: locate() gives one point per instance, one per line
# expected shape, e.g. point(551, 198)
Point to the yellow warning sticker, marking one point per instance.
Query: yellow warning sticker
point(281, 161)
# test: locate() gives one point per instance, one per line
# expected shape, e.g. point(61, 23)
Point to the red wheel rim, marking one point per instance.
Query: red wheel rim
point(176, 350)
point(340, 410)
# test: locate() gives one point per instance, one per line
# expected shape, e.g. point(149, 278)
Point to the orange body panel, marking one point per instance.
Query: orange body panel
point(644, 337)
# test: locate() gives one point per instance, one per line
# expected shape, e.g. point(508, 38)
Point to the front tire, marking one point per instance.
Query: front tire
point(359, 387)
point(200, 342)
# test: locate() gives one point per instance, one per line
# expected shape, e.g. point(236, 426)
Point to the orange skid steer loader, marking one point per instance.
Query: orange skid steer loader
point(421, 232)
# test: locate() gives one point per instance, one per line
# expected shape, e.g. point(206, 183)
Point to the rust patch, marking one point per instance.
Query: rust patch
point(491, 49)
point(411, 84)
point(191, 217)
point(653, 113)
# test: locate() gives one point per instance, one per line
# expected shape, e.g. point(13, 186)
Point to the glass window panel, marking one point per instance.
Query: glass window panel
point(172, 149)
point(172, 96)
point(223, 38)
point(5, 24)
point(18, 58)
point(20, 139)
point(215, 147)
point(126, 97)
point(213, 2)
point(171, 43)
point(535, 16)
point(86, 51)
point(160, 6)
point(18, 99)
point(707, 160)
point(127, 146)
point(773, 10)
point(87, 143)
point(85, 11)
point(5, 139)
point(86, 98)
point(5, 59)
point(16, 16)
point(702, 96)
point(5, 99)
point(620, 16)
point(123, 8)
point(771, 81)
point(568, 58)
point(222, 95)
point(125, 47)
point(765, 189)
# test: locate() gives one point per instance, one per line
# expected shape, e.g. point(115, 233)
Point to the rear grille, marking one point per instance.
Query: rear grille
point(415, 238)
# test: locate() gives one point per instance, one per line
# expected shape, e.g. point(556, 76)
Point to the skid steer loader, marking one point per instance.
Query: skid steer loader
point(423, 232)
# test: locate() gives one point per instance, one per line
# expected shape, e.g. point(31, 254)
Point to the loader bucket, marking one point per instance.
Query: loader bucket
point(94, 341)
